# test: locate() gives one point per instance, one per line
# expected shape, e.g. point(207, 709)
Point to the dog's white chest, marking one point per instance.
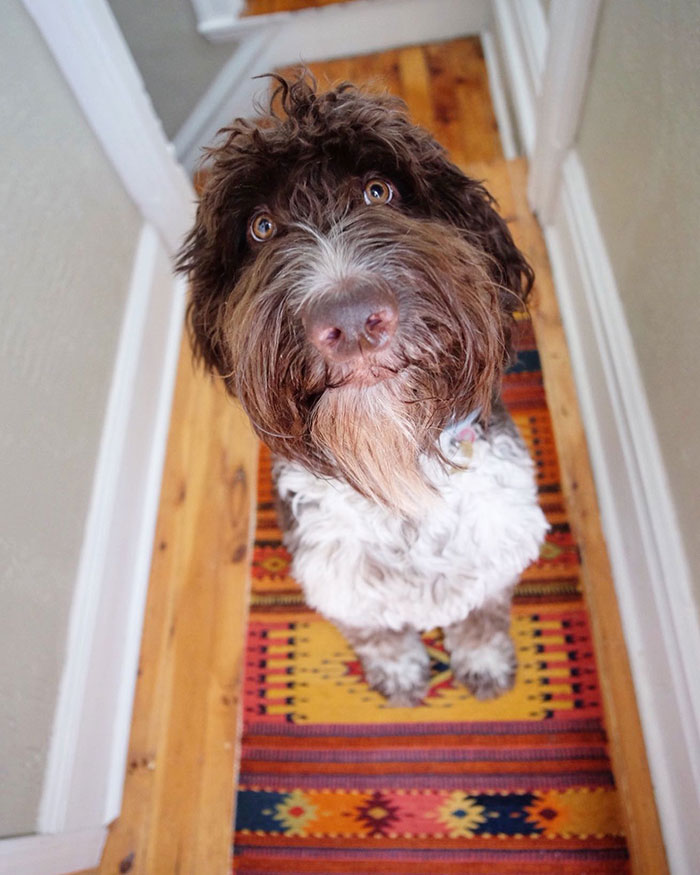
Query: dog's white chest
point(361, 565)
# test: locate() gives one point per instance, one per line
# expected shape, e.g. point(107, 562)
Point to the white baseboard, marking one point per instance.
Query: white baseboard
point(652, 578)
point(87, 755)
point(335, 31)
point(52, 855)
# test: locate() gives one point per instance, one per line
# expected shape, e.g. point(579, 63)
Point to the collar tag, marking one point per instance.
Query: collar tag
point(462, 434)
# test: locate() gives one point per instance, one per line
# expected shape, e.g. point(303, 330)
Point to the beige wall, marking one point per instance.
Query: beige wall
point(639, 142)
point(177, 64)
point(67, 238)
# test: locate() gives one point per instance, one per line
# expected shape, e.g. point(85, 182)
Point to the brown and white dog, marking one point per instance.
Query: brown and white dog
point(356, 292)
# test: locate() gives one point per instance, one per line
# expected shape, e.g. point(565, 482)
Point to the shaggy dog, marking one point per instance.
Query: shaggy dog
point(356, 292)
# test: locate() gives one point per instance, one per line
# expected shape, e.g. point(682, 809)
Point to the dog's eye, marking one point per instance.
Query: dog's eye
point(378, 192)
point(262, 227)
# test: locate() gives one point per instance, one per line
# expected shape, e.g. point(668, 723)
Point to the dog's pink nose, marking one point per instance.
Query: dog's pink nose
point(357, 319)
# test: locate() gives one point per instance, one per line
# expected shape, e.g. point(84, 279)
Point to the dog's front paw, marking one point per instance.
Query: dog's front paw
point(405, 682)
point(396, 663)
point(487, 670)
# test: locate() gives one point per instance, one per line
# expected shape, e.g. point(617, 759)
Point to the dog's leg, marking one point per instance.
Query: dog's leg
point(482, 653)
point(396, 664)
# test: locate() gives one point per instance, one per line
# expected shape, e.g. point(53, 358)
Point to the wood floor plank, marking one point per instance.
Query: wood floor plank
point(464, 121)
point(267, 7)
point(414, 78)
point(378, 72)
point(477, 123)
point(178, 798)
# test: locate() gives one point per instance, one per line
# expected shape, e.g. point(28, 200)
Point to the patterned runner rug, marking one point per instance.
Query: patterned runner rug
point(334, 780)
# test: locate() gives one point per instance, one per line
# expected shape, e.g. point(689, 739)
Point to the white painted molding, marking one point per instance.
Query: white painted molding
point(534, 36)
point(335, 31)
point(363, 26)
point(357, 17)
point(90, 50)
point(215, 15)
point(238, 29)
point(52, 855)
point(521, 30)
point(572, 28)
point(87, 754)
point(652, 577)
point(499, 96)
point(207, 116)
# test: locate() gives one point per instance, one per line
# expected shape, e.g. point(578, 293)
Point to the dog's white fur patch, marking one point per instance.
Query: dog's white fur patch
point(362, 565)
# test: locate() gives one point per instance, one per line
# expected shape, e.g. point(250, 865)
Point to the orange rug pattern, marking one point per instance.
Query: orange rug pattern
point(334, 780)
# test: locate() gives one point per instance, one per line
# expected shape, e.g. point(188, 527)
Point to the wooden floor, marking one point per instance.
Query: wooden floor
point(179, 786)
point(267, 7)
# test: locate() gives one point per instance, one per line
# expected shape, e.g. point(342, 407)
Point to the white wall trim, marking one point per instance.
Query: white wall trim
point(90, 50)
point(205, 119)
point(521, 29)
point(533, 27)
point(499, 96)
point(335, 31)
point(652, 577)
point(52, 855)
point(213, 15)
point(572, 29)
point(85, 770)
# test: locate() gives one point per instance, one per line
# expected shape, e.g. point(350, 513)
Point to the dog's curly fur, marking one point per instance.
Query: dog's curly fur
point(441, 251)
point(460, 279)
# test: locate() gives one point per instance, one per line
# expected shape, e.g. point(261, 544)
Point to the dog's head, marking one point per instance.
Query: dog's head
point(354, 289)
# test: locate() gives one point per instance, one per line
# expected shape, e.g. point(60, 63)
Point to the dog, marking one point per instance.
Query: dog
point(356, 292)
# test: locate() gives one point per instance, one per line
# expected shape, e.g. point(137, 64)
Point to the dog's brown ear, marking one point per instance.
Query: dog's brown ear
point(202, 320)
point(450, 195)
point(210, 259)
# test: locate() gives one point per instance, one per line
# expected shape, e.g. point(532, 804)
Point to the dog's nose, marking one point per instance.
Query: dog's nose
point(355, 319)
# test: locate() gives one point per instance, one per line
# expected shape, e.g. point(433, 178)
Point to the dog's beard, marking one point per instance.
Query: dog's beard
point(372, 437)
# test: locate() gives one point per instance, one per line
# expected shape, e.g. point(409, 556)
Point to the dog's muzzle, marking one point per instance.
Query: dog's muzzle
point(356, 319)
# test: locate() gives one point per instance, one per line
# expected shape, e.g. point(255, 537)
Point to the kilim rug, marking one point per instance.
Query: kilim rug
point(334, 780)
